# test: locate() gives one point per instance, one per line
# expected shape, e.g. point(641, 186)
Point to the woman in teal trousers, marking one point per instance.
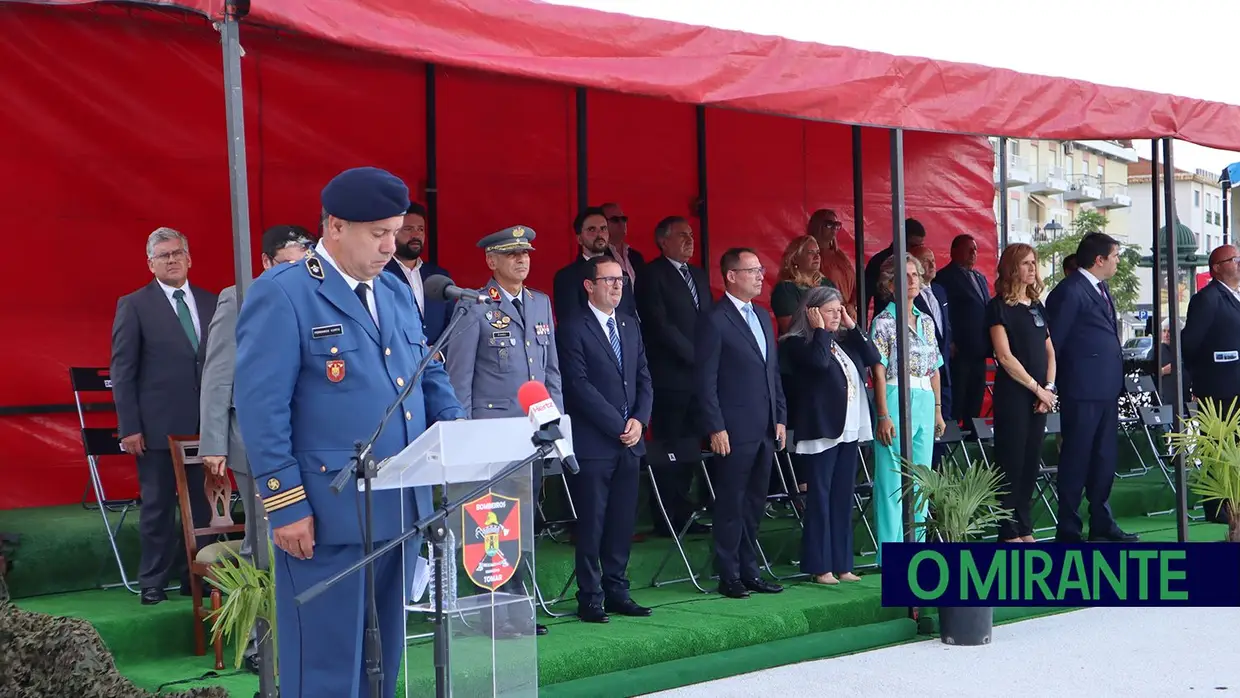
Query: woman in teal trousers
point(925, 418)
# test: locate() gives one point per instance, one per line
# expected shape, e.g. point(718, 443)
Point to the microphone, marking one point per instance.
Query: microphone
point(545, 416)
point(441, 288)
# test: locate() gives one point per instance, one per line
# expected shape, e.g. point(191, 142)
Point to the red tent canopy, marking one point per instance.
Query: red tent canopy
point(773, 75)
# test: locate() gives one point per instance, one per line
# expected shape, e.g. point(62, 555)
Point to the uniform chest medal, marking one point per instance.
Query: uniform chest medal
point(498, 319)
point(493, 293)
point(335, 370)
point(542, 328)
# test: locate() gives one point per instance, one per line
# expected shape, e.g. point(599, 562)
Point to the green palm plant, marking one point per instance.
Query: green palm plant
point(249, 594)
point(1210, 439)
point(963, 502)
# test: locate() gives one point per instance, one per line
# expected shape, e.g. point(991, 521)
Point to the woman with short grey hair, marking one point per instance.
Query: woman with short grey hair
point(828, 418)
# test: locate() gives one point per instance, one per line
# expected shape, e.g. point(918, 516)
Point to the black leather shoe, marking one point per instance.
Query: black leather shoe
point(592, 613)
point(628, 607)
point(733, 589)
point(152, 596)
point(540, 629)
point(1115, 535)
point(761, 586)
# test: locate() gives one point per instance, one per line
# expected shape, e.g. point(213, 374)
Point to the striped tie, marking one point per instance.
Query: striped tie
point(614, 337)
point(684, 271)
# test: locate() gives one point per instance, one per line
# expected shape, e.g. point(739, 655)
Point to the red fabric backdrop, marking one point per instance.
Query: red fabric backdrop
point(118, 127)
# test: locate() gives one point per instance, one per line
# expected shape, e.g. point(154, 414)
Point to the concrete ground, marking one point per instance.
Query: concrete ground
point(1163, 652)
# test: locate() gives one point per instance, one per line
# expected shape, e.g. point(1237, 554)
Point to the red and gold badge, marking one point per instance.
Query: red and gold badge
point(494, 293)
point(335, 370)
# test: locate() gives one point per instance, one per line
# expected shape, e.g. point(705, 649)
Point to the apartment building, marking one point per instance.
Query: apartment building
point(1050, 181)
point(1198, 205)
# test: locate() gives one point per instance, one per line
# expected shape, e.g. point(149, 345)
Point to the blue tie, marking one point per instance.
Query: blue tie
point(754, 326)
point(615, 348)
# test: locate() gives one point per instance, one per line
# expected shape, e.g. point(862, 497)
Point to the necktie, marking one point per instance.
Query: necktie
point(361, 290)
point(187, 320)
point(614, 338)
point(752, 318)
point(1106, 296)
point(516, 302)
point(684, 271)
point(980, 282)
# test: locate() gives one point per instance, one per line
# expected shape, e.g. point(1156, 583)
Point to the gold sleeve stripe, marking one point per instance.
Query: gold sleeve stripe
point(284, 499)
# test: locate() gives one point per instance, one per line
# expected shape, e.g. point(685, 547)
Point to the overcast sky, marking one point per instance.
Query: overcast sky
point(1101, 41)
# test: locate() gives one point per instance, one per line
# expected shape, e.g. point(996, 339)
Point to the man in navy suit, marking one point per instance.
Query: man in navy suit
point(607, 390)
point(967, 293)
point(593, 240)
point(933, 301)
point(1210, 343)
point(737, 376)
point(1085, 333)
point(408, 266)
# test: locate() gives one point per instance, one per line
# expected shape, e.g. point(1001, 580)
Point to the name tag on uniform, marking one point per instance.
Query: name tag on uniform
point(326, 331)
point(500, 335)
point(1223, 357)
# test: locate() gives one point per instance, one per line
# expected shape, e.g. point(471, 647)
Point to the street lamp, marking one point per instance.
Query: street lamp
point(1052, 229)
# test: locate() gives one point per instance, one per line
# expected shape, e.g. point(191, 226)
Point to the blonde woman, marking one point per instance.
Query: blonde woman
point(799, 271)
point(925, 415)
point(1024, 384)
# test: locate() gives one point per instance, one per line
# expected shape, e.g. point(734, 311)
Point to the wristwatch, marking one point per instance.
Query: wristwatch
point(1050, 387)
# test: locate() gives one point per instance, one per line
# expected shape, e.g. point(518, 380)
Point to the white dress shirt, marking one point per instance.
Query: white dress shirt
point(189, 301)
point(856, 416)
point(321, 252)
point(414, 276)
point(602, 319)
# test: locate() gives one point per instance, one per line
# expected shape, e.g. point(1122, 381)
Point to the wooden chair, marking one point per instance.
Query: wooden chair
point(202, 561)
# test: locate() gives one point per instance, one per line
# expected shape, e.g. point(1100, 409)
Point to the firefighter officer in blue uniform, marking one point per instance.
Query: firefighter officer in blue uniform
point(500, 346)
point(324, 346)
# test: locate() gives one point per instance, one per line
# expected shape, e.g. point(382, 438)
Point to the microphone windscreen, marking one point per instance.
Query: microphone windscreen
point(530, 394)
point(434, 287)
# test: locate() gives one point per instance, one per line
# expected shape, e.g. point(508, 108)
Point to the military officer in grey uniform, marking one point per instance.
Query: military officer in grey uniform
point(499, 347)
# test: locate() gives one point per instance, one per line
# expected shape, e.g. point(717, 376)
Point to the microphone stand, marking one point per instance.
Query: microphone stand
point(363, 466)
point(434, 527)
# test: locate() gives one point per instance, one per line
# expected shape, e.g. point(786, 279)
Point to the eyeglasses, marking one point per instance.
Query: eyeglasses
point(609, 280)
point(1038, 320)
point(757, 271)
point(169, 256)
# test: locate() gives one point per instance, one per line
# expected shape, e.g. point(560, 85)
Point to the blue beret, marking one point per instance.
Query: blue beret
point(365, 194)
point(514, 239)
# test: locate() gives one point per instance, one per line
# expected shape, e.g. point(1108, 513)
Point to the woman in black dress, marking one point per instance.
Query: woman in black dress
point(1024, 384)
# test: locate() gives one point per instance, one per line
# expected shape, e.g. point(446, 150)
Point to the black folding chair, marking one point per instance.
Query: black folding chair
point(1139, 393)
point(1157, 421)
point(660, 454)
point(1048, 474)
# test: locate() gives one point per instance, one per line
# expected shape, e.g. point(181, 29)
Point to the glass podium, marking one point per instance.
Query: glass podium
point(485, 641)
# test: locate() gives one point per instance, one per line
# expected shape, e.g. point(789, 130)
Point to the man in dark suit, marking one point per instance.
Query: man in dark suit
point(159, 344)
point(607, 389)
point(1085, 332)
point(408, 266)
point(967, 296)
point(568, 291)
point(672, 296)
point(933, 301)
point(914, 236)
point(1210, 343)
point(737, 374)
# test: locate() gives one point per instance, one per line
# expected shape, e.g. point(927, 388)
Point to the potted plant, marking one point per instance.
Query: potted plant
point(1210, 441)
point(962, 504)
point(249, 596)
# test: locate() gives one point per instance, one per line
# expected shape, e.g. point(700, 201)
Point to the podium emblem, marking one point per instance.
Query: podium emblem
point(491, 540)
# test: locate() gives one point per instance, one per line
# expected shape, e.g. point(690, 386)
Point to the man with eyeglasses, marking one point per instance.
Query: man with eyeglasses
point(608, 391)
point(159, 345)
point(1210, 344)
point(631, 261)
point(220, 443)
point(743, 409)
point(593, 239)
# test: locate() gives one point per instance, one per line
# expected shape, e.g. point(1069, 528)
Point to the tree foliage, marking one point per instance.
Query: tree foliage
point(1125, 285)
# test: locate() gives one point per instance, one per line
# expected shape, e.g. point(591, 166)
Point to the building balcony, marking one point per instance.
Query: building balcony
point(1084, 189)
point(1050, 180)
point(1020, 230)
point(1018, 173)
point(1114, 196)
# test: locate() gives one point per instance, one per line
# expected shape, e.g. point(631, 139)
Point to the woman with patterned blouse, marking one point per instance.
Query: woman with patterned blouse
point(925, 420)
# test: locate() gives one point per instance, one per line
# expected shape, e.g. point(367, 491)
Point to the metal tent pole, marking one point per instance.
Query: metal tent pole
point(899, 253)
point(1173, 313)
point(703, 211)
point(1156, 244)
point(859, 228)
point(1003, 193)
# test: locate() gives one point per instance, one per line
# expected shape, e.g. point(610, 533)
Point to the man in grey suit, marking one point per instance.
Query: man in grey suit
point(158, 349)
point(220, 439)
point(497, 348)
